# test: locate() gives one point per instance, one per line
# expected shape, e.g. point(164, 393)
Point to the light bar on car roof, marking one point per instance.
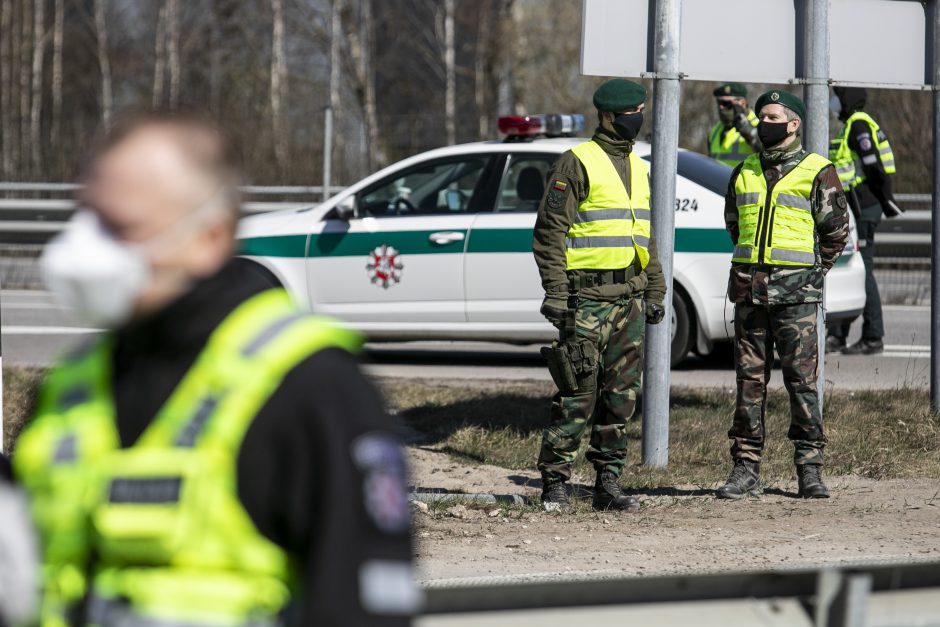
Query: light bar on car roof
point(550, 125)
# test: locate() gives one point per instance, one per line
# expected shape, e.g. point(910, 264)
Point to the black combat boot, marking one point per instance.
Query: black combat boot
point(865, 347)
point(835, 344)
point(744, 480)
point(608, 495)
point(811, 483)
point(555, 497)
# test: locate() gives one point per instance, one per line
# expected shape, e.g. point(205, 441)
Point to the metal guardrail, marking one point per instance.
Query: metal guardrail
point(33, 220)
point(838, 596)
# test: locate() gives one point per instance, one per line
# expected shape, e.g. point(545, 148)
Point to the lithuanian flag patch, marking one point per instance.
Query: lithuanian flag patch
point(560, 186)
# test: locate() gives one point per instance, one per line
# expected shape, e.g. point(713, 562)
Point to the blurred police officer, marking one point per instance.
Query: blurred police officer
point(216, 457)
point(865, 163)
point(734, 136)
point(603, 283)
point(788, 218)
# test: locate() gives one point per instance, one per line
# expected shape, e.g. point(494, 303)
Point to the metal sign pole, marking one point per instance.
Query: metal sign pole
point(933, 31)
point(663, 202)
point(816, 135)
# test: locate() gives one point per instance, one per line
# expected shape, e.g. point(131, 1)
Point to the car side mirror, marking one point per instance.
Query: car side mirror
point(346, 209)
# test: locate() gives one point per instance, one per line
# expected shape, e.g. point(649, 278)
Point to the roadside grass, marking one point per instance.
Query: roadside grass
point(879, 434)
point(20, 387)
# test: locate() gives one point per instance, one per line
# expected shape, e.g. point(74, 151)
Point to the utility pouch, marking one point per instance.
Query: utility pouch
point(560, 367)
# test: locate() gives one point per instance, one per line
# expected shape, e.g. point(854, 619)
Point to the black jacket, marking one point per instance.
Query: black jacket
point(297, 476)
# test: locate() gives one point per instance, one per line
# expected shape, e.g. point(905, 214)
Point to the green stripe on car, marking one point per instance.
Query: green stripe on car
point(480, 241)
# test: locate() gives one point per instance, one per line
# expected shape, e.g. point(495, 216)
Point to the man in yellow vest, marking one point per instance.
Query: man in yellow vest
point(734, 136)
point(215, 457)
point(788, 219)
point(865, 162)
point(603, 283)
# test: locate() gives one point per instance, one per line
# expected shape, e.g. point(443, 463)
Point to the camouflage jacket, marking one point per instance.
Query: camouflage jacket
point(777, 285)
point(551, 228)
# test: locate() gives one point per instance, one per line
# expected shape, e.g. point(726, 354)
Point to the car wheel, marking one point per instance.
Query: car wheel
point(257, 269)
point(681, 323)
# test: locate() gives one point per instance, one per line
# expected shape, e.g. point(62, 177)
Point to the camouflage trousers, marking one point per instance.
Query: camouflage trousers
point(612, 333)
point(792, 329)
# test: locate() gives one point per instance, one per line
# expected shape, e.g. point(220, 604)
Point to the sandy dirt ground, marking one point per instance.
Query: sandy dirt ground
point(678, 529)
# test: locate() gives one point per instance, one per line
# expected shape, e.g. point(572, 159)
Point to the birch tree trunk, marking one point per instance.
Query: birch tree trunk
point(104, 63)
point(278, 82)
point(450, 86)
point(35, 112)
point(26, 50)
point(6, 88)
point(58, 28)
point(377, 154)
point(173, 49)
point(336, 30)
point(159, 57)
point(360, 49)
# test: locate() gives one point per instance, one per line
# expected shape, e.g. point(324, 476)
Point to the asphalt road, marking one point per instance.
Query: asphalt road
point(35, 331)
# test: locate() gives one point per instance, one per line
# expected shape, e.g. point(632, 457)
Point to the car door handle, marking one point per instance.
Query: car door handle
point(446, 237)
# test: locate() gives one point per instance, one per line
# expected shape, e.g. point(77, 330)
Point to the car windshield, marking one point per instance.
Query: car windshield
point(703, 171)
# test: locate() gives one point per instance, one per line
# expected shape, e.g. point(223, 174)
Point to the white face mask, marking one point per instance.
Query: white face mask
point(93, 274)
point(97, 276)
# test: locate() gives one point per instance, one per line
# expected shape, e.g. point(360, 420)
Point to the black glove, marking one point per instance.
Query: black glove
point(654, 313)
point(740, 118)
point(555, 308)
point(890, 208)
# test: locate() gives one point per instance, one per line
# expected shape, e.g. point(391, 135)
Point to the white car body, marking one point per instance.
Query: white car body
point(471, 274)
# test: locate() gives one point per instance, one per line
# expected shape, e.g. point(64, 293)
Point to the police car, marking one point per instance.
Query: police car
point(439, 246)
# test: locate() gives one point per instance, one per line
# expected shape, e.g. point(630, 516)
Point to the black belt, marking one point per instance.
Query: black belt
point(582, 279)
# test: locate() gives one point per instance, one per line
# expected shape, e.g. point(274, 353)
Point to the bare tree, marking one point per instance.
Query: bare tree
point(173, 49)
point(336, 29)
point(58, 36)
point(450, 85)
point(39, 46)
point(159, 56)
point(278, 82)
point(104, 63)
point(6, 87)
point(359, 38)
point(25, 71)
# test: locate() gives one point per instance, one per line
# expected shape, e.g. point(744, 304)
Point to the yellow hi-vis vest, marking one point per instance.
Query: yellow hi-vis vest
point(849, 164)
point(155, 534)
point(732, 148)
point(776, 228)
point(612, 228)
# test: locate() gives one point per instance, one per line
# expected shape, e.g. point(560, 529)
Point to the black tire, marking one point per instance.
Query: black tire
point(257, 269)
point(682, 337)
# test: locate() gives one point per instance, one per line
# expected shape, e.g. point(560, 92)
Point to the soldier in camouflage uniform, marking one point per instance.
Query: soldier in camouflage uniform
point(603, 283)
point(777, 286)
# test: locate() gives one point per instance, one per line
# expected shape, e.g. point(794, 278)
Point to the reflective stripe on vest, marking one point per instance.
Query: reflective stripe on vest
point(849, 164)
point(730, 148)
point(612, 229)
point(163, 517)
point(784, 223)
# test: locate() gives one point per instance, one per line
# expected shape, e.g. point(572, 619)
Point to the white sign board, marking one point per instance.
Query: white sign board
point(874, 41)
point(871, 42)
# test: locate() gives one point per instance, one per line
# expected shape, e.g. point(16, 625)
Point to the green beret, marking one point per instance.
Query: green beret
point(778, 96)
point(731, 89)
point(618, 95)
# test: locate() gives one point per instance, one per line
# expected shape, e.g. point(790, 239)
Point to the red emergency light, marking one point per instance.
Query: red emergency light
point(551, 125)
point(521, 125)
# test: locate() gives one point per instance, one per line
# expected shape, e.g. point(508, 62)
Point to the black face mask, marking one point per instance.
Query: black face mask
point(627, 125)
point(772, 133)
